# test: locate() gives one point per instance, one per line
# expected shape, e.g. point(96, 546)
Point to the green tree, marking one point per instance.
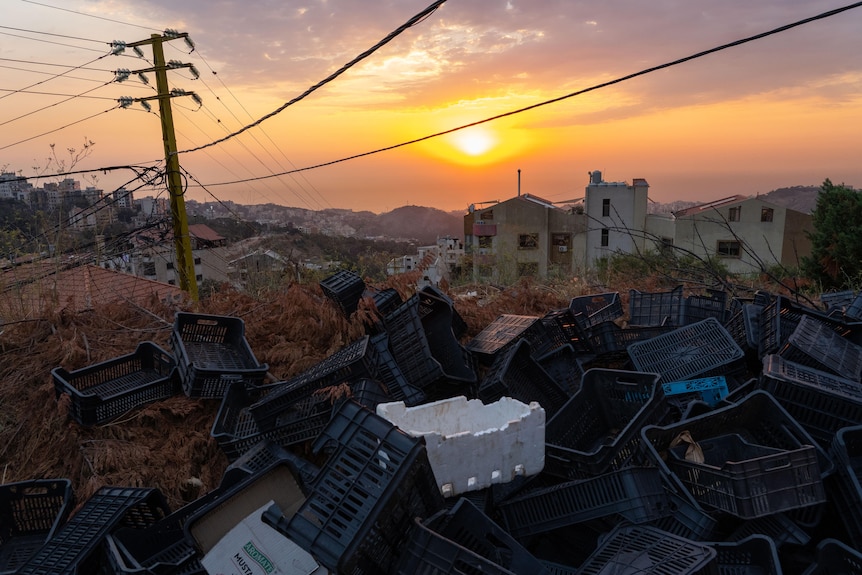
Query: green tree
point(836, 242)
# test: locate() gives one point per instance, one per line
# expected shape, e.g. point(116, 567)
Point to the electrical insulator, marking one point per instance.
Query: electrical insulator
point(197, 100)
point(138, 51)
point(146, 106)
point(125, 101)
point(143, 78)
point(118, 47)
point(189, 43)
point(194, 71)
point(122, 74)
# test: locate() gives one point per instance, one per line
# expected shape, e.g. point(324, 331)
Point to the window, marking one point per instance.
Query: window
point(665, 245)
point(606, 235)
point(169, 265)
point(528, 241)
point(199, 278)
point(734, 214)
point(487, 215)
point(729, 249)
point(766, 214)
point(149, 268)
point(197, 261)
point(172, 282)
point(606, 207)
point(528, 269)
point(485, 241)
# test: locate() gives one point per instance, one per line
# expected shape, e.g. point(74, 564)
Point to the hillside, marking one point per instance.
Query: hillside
point(799, 198)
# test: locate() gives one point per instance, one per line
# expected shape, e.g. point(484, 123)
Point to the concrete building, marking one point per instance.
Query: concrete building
point(123, 198)
point(744, 233)
point(616, 216)
point(524, 236)
point(15, 187)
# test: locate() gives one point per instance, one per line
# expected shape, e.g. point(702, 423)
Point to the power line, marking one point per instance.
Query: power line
point(50, 42)
point(55, 35)
point(27, 70)
point(83, 67)
point(72, 97)
point(60, 128)
point(55, 76)
point(391, 36)
point(564, 97)
point(89, 15)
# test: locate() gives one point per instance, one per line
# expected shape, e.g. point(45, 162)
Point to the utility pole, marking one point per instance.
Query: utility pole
point(182, 241)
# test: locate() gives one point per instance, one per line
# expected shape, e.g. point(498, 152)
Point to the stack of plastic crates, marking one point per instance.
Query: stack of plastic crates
point(815, 344)
point(464, 540)
point(375, 482)
point(744, 327)
point(846, 450)
point(76, 548)
point(440, 322)
point(561, 328)
point(102, 392)
point(854, 308)
point(697, 307)
point(563, 367)
point(212, 354)
point(821, 402)
point(776, 465)
point(31, 512)
point(700, 349)
point(385, 300)
point(656, 308)
point(779, 319)
point(839, 300)
point(635, 494)
point(591, 310)
point(597, 429)
point(517, 375)
point(607, 339)
point(645, 549)
point(345, 289)
point(410, 346)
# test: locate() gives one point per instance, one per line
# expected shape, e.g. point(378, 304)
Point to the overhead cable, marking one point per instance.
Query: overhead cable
point(58, 129)
point(391, 36)
point(566, 96)
point(89, 15)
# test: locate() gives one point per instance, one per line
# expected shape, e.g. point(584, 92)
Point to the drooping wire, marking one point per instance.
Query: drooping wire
point(54, 35)
point(389, 37)
point(566, 96)
point(89, 15)
point(71, 97)
point(63, 127)
point(61, 74)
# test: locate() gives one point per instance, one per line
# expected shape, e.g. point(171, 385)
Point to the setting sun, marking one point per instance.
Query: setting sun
point(474, 141)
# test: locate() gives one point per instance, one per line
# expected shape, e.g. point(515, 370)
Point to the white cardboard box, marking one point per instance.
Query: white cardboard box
point(254, 548)
point(471, 445)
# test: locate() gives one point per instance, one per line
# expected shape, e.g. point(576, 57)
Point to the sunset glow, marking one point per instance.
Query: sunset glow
point(775, 112)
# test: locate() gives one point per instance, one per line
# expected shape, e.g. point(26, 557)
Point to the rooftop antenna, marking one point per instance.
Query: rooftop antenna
point(519, 182)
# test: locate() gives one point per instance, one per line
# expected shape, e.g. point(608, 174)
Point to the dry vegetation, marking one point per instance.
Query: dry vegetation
point(167, 444)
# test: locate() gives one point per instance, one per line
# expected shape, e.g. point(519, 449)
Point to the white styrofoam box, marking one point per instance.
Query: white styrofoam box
point(471, 445)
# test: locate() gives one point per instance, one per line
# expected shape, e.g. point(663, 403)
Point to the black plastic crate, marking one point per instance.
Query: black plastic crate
point(748, 480)
point(635, 494)
point(607, 338)
point(267, 453)
point(159, 548)
point(212, 353)
point(464, 540)
point(561, 328)
point(656, 308)
point(438, 322)
point(696, 350)
point(835, 558)
point(816, 345)
point(754, 555)
point(517, 375)
point(345, 289)
point(563, 367)
point(104, 391)
point(385, 300)
point(759, 419)
point(431, 299)
point(499, 335)
point(376, 480)
point(697, 307)
point(591, 310)
point(76, 547)
point(837, 300)
point(854, 308)
point(779, 528)
point(597, 429)
point(821, 402)
point(779, 319)
point(410, 347)
point(847, 485)
point(645, 549)
point(31, 512)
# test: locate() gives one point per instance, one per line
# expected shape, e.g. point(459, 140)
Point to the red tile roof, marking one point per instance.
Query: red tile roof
point(81, 288)
point(204, 232)
point(710, 205)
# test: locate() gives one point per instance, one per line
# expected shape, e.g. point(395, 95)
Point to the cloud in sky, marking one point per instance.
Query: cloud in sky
point(476, 58)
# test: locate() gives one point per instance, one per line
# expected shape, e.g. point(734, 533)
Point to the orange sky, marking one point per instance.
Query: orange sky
point(777, 112)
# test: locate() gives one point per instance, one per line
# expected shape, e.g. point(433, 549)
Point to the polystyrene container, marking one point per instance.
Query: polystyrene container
point(471, 445)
